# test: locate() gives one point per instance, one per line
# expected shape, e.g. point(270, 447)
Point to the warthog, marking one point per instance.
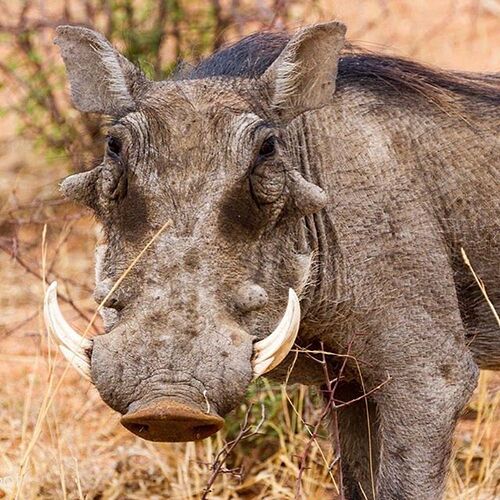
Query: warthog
point(310, 189)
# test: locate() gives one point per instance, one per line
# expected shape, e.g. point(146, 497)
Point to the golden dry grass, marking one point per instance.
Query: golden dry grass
point(68, 444)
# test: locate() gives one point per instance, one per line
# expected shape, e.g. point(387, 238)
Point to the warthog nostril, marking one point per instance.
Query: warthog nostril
point(204, 430)
point(170, 421)
point(138, 428)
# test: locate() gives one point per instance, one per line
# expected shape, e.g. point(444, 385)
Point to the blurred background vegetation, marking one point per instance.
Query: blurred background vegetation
point(74, 447)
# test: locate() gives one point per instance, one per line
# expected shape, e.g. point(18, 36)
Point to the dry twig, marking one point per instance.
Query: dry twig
point(217, 466)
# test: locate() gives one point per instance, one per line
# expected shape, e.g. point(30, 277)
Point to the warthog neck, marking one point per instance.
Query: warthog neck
point(316, 234)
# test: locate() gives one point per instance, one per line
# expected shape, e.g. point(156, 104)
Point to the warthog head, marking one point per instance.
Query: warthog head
point(212, 301)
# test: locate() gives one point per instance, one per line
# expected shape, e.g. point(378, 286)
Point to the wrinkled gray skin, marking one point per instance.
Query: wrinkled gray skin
point(406, 186)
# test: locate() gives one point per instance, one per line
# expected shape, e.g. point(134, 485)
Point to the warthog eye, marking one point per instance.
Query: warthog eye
point(267, 148)
point(114, 146)
point(114, 173)
point(267, 174)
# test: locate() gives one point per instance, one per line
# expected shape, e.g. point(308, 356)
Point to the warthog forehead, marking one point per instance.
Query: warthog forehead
point(185, 121)
point(199, 96)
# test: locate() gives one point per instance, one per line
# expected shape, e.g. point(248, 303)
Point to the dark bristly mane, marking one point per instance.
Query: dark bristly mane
point(251, 56)
point(247, 58)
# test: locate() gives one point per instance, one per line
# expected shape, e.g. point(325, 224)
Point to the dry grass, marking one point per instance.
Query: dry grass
point(68, 444)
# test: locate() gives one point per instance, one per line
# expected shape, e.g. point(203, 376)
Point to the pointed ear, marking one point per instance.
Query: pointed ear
point(303, 76)
point(102, 80)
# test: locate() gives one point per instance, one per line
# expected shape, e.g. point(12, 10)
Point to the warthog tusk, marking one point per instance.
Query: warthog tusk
point(80, 365)
point(74, 347)
point(271, 351)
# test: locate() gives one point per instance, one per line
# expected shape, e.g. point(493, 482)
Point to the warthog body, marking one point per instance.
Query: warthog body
point(354, 181)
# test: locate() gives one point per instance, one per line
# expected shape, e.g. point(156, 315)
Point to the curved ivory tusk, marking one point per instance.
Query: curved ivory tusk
point(80, 365)
point(271, 351)
point(73, 346)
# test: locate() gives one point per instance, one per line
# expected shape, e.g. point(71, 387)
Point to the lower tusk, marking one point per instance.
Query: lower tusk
point(63, 333)
point(74, 347)
point(271, 351)
point(80, 365)
point(262, 366)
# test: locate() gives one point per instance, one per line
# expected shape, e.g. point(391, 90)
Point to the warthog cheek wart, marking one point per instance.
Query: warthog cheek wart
point(250, 297)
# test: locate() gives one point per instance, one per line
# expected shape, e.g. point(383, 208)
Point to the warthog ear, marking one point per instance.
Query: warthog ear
point(303, 76)
point(102, 80)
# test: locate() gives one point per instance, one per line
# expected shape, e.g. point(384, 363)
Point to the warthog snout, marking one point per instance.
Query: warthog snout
point(171, 421)
point(185, 354)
